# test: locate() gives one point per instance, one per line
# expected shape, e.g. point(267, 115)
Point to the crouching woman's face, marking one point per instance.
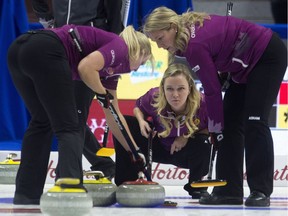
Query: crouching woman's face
point(176, 90)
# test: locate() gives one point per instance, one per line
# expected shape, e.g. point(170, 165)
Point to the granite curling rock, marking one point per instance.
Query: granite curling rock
point(101, 189)
point(67, 197)
point(140, 193)
point(8, 169)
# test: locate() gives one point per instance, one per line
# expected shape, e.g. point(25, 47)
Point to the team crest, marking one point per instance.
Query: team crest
point(197, 121)
point(110, 71)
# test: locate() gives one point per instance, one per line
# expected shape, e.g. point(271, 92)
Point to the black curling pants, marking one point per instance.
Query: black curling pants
point(246, 113)
point(194, 156)
point(42, 76)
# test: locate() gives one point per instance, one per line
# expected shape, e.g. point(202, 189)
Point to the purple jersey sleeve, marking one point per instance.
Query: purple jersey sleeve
point(202, 115)
point(144, 103)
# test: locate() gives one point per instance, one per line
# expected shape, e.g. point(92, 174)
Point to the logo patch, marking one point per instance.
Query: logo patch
point(257, 118)
point(113, 57)
point(110, 71)
point(196, 68)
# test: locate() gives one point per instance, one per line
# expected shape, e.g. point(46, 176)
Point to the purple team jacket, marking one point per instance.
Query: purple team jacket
point(144, 103)
point(224, 44)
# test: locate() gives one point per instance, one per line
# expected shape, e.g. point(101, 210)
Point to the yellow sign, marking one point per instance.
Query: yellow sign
point(136, 83)
point(282, 117)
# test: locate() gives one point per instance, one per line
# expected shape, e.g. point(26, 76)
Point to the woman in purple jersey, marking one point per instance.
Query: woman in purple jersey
point(178, 114)
point(255, 61)
point(40, 63)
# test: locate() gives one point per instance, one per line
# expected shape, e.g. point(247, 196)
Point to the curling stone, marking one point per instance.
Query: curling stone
point(102, 191)
point(66, 198)
point(140, 193)
point(8, 169)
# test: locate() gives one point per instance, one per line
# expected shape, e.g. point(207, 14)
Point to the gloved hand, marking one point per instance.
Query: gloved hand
point(105, 99)
point(216, 140)
point(139, 162)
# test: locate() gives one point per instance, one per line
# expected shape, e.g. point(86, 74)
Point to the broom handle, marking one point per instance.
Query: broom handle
point(213, 149)
point(149, 156)
point(211, 162)
point(226, 84)
point(127, 138)
point(106, 133)
point(76, 41)
point(229, 8)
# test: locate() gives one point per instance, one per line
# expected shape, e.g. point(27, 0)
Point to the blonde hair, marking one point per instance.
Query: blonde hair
point(192, 102)
point(162, 18)
point(138, 44)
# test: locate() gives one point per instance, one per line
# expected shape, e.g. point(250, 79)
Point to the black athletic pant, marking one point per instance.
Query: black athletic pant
point(246, 112)
point(42, 76)
point(194, 156)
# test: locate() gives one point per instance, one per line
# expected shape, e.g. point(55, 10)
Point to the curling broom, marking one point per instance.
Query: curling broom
point(209, 182)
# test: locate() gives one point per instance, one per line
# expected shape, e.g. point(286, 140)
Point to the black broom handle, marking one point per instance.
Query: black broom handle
point(127, 138)
point(213, 149)
point(113, 111)
point(149, 156)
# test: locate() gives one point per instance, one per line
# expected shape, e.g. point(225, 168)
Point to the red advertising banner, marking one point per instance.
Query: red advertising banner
point(283, 93)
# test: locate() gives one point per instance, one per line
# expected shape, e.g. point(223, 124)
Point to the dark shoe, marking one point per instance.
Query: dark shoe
point(257, 199)
point(196, 193)
point(199, 194)
point(20, 199)
point(214, 199)
point(106, 166)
